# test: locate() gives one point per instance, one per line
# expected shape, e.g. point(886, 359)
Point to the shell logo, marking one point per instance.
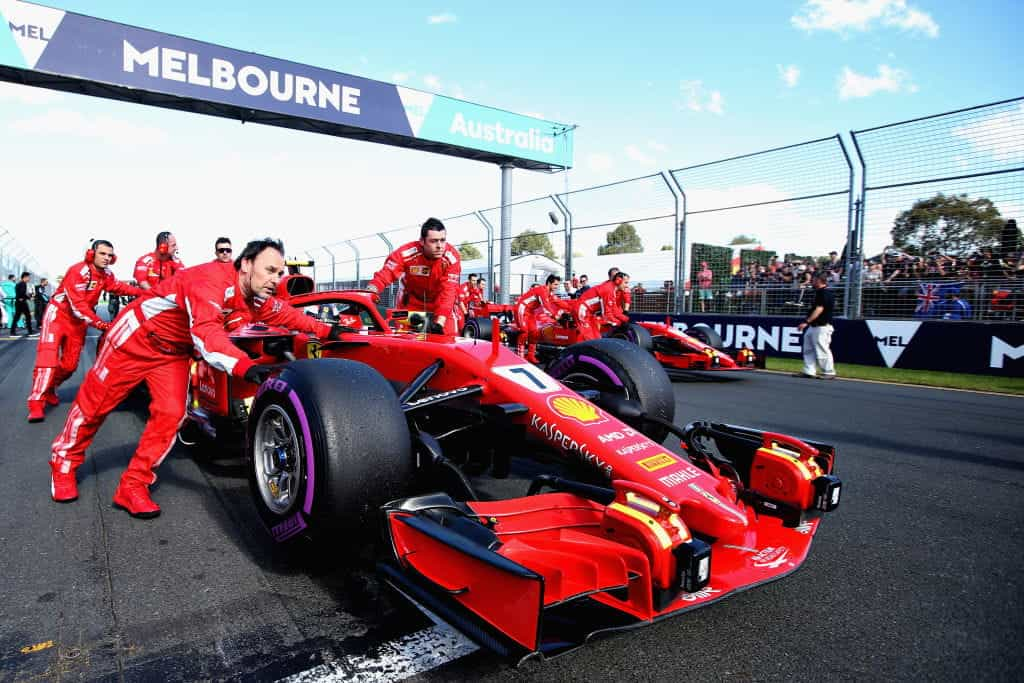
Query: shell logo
point(576, 409)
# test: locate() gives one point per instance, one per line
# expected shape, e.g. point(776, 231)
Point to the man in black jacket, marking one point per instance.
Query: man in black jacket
point(41, 298)
point(21, 298)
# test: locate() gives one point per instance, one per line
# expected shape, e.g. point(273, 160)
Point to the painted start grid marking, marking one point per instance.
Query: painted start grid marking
point(394, 660)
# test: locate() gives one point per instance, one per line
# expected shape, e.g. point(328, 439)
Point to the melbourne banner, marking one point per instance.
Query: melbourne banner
point(76, 46)
point(982, 348)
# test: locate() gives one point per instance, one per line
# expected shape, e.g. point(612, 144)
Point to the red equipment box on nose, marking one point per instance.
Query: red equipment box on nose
point(784, 469)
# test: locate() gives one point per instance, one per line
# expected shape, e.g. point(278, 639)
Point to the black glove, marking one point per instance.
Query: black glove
point(257, 374)
point(337, 330)
point(435, 328)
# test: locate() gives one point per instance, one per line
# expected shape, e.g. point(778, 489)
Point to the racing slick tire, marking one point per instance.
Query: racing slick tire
point(327, 445)
point(703, 333)
point(634, 334)
point(478, 328)
point(617, 365)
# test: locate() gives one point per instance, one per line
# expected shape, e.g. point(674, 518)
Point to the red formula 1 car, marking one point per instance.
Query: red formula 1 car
point(618, 530)
point(697, 349)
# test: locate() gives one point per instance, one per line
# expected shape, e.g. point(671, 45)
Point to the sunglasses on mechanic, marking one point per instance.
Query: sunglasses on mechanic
point(224, 250)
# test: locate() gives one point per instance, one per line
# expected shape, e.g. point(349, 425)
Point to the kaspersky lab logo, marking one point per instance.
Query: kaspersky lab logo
point(31, 27)
point(892, 337)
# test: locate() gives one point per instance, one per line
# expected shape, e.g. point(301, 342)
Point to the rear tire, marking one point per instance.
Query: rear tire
point(615, 365)
point(705, 334)
point(327, 445)
point(635, 334)
point(478, 328)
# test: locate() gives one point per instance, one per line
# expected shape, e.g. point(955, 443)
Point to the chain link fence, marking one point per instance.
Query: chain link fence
point(744, 235)
point(937, 195)
point(15, 259)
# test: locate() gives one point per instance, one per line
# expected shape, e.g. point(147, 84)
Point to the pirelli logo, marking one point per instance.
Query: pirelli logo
point(657, 462)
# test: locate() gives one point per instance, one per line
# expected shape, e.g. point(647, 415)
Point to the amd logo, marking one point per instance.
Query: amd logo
point(1001, 350)
point(29, 31)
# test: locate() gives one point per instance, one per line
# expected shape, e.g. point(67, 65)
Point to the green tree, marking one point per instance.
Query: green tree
point(666, 247)
point(468, 252)
point(622, 240)
point(532, 242)
point(744, 239)
point(953, 225)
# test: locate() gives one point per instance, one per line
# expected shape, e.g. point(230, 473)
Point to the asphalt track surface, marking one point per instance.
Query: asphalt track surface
point(916, 576)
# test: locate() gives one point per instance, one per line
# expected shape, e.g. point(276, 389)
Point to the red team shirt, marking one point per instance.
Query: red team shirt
point(149, 268)
point(431, 283)
point(80, 290)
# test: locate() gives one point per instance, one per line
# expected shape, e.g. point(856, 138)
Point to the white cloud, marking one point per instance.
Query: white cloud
point(842, 16)
point(432, 82)
point(599, 162)
point(657, 146)
point(23, 94)
point(790, 75)
point(854, 85)
point(1001, 136)
point(696, 98)
point(399, 77)
point(64, 122)
point(443, 18)
point(638, 155)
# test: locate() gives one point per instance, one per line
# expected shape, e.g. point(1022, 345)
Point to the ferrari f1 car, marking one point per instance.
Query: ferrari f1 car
point(699, 348)
point(615, 531)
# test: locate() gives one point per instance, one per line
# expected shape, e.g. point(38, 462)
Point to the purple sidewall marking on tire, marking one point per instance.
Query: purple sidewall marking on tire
point(607, 370)
point(288, 528)
point(307, 505)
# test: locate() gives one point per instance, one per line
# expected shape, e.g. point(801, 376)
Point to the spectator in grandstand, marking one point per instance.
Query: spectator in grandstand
point(954, 308)
point(222, 250)
point(705, 276)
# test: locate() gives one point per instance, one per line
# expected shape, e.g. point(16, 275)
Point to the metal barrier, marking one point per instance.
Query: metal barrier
point(796, 203)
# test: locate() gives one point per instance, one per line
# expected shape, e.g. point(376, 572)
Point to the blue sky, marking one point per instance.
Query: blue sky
point(650, 85)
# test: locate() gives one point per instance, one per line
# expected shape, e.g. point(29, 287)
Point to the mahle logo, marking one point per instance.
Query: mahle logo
point(892, 337)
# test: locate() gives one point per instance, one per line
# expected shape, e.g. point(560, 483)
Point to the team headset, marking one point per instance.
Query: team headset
point(162, 243)
point(90, 253)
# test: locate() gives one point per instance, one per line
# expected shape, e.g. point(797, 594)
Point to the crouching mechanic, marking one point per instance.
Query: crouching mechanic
point(152, 341)
point(430, 270)
point(602, 301)
point(536, 311)
point(63, 326)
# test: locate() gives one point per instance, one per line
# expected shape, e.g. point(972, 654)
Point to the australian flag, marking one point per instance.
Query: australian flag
point(931, 298)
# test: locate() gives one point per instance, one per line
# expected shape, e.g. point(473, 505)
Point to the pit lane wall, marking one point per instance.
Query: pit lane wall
point(979, 348)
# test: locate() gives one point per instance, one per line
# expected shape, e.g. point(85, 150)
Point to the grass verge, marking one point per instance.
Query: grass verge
point(930, 378)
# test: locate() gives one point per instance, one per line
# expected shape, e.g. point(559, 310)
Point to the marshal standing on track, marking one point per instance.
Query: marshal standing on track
point(63, 326)
point(152, 341)
point(429, 270)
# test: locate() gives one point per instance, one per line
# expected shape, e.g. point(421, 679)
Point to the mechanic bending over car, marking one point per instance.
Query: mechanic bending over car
point(62, 328)
point(152, 341)
point(429, 270)
point(536, 311)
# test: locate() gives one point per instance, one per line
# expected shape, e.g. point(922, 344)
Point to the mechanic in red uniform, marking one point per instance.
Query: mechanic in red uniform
point(429, 270)
point(536, 311)
point(625, 297)
point(599, 306)
point(152, 341)
point(71, 310)
point(161, 264)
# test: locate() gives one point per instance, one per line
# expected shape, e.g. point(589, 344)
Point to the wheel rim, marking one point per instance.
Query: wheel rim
point(470, 331)
point(276, 459)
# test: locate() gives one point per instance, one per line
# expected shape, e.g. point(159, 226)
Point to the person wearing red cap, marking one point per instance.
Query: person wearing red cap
point(152, 341)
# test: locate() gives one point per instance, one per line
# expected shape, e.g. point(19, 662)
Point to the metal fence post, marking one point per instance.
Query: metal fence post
point(563, 209)
point(355, 250)
point(334, 277)
point(679, 267)
point(490, 249)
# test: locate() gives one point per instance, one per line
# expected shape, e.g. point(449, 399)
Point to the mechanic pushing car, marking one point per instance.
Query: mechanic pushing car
point(161, 264)
point(152, 341)
point(63, 326)
point(429, 270)
point(536, 311)
point(602, 301)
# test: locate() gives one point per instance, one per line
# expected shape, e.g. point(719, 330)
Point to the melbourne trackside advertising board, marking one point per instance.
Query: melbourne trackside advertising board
point(76, 46)
point(955, 346)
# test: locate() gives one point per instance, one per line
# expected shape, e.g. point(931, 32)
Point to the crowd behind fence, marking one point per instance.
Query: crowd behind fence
point(901, 248)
